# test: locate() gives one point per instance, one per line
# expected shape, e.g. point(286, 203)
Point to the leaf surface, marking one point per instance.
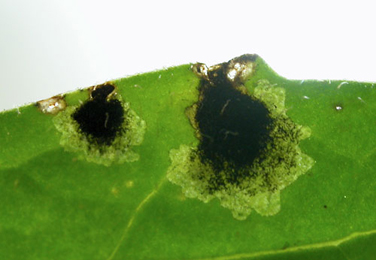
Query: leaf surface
point(56, 206)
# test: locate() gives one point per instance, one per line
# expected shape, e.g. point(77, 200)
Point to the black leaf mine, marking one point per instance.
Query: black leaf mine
point(102, 92)
point(100, 119)
point(234, 127)
point(247, 150)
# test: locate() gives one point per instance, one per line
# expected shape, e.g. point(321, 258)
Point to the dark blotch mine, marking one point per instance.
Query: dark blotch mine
point(102, 92)
point(234, 127)
point(100, 119)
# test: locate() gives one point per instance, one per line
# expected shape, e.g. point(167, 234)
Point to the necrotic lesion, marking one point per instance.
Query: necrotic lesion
point(248, 147)
point(100, 119)
point(233, 127)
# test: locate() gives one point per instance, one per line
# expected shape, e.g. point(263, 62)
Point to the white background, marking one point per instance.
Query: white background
point(49, 47)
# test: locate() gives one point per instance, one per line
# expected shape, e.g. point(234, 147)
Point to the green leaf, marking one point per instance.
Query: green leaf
point(57, 203)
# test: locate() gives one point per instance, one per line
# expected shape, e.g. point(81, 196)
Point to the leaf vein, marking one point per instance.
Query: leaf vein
point(333, 243)
point(131, 220)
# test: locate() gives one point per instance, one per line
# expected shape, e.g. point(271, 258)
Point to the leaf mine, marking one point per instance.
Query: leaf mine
point(248, 147)
point(103, 129)
point(100, 119)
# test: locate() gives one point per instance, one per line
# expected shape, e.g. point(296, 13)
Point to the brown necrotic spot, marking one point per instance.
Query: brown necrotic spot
point(52, 105)
point(100, 118)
